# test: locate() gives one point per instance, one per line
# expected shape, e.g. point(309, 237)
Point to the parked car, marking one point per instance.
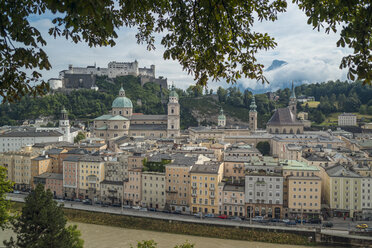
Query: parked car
point(16, 192)
point(315, 221)
point(143, 209)
point(117, 205)
point(222, 216)
point(362, 226)
point(368, 229)
point(274, 220)
point(87, 202)
point(328, 224)
point(77, 200)
point(152, 209)
point(209, 216)
point(127, 206)
point(258, 218)
point(177, 212)
point(286, 221)
point(291, 223)
point(104, 205)
point(236, 218)
point(199, 215)
point(136, 207)
point(298, 221)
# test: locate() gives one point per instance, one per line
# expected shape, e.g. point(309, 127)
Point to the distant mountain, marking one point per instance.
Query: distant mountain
point(276, 64)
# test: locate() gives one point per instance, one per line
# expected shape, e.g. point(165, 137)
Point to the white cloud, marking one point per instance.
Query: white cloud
point(312, 56)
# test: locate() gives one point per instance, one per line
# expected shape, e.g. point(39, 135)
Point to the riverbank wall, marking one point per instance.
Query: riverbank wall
point(238, 231)
point(197, 229)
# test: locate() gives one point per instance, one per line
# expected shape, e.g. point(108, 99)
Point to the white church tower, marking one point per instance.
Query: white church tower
point(64, 126)
point(173, 128)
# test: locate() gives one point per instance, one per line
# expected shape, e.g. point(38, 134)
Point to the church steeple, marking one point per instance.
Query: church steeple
point(121, 91)
point(253, 115)
point(293, 95)
point(221, 119)
point(293, 101)
point(253, 106)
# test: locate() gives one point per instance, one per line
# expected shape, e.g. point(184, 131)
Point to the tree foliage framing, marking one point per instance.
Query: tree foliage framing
point(211, 39)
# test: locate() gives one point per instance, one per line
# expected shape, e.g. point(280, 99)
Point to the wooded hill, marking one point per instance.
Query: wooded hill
point(197, 105)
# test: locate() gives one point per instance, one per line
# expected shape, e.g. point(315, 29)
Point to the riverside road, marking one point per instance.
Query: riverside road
point(341, 226)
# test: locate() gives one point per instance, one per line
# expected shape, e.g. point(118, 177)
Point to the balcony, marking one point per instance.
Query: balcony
point(212, 196)
point(233, 196)
point(193, 194)
point(171, 191)
point(212, 189)
point(194, 187)
point(112, 191)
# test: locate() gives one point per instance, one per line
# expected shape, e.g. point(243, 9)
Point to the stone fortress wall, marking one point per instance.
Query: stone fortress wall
point(85, 77)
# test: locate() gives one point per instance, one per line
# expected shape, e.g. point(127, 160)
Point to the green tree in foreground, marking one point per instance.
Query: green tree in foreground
point(5, 187)
point(211, 39)
point(152, 244)
point(263, 147)
point(42, 224)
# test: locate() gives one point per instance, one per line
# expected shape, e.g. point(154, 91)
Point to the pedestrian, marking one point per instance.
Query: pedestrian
point(344, 217)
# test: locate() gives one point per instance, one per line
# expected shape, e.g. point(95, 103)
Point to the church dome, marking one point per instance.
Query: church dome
point(221, 116)
point(121, 101)
point(173, 93)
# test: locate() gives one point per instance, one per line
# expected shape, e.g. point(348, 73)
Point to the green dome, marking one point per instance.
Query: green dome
point(221, 116)
point(122, 102)
point(173, 93)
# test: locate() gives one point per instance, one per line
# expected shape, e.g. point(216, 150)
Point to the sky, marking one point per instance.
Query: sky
point(312, 56)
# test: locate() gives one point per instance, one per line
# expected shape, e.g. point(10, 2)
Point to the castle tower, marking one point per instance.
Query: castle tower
point(253, 115)
point(64, 125)
point(221, 119)
point(293, 102)
point(173, 128)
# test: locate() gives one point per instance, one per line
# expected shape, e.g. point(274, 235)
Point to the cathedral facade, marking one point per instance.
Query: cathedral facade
point(121, 121)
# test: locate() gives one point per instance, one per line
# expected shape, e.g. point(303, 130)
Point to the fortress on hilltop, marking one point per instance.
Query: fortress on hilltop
point(85, 77)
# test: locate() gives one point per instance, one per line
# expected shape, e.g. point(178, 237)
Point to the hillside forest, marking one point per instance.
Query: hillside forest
point(198, 105)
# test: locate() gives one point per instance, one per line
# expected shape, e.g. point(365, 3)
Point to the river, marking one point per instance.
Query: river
point(98, 236)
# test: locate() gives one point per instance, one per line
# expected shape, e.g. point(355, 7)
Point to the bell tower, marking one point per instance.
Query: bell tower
point(64, 125)
point(253, 115)
point(173, 127)
point(221, 119)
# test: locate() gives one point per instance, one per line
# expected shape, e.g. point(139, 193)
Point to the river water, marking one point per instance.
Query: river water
point(98, 236)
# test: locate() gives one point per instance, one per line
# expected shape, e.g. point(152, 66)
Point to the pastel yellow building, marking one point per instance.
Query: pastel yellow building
point(40, 165)
point(343, 191)
point(204, 187)
point(302, 189)
point(18, 165)
point(91, 173)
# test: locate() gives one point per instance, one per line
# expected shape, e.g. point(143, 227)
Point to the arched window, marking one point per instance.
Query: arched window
point(115, 127)
point(125, 126)
point(298, 131)
point(172, 111)
point(284, 131)
point(291, 131)
point(120, 112)
point(276, 130)
point(271, 131)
